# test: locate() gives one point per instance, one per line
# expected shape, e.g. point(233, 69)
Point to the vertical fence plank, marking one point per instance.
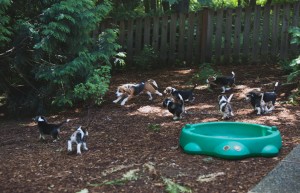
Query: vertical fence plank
point(256, 35)
point(237, 35)
point(246, 35)
point(296, 14)
point(218, 36)
point(284, 33)
point(190, 38)
point(197, 53)
point(266, 33)
point(204, 32)
point(164, 39)
point(121, 33)
point(129, 50)
point(173, 38)
point(155, 34)
point(147, 31)
point(228, 33)
point(181, 44)
point(209, 41)
point(275, 31)
point(138, 36)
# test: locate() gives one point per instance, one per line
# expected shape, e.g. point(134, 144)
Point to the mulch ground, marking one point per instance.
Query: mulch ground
point(135, 148)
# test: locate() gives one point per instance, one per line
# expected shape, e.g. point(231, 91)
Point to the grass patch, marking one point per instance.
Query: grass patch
point(154, 127)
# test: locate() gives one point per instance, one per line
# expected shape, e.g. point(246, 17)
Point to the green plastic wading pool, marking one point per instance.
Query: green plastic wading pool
point(230, 140)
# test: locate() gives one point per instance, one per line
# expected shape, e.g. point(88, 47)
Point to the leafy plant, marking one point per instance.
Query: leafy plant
point(53, 59)
point(295, 63)
point(154, 127)
point(205, 70)
point(128, 176)
point(146, 59)
point(172, 187)
point(5, 31)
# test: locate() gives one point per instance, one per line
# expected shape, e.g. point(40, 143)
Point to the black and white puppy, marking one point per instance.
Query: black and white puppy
point(225, 106)
point(176, 107)
point(79, 137)
point(223, 81)
point(262, 102)
point(187, 95)
point(46, 128)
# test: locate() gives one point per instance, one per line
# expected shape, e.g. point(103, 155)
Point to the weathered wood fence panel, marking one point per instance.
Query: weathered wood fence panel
point(241, 35)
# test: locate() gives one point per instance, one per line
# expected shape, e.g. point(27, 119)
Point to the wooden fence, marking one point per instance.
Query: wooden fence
point(242, 35)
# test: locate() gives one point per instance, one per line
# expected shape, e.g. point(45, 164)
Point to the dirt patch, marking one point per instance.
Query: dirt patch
point(134, 148)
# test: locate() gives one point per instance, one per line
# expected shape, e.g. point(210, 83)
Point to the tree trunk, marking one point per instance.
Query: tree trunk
point(181, 7)
point(252, 2)
point(165, 6)
point(147, 6)
point(268, 2)
point(153, 5)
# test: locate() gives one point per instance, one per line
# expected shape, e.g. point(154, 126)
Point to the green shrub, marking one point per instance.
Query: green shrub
point(294, 65)
point(205, 70)
point(56, 61)
point(146, 59)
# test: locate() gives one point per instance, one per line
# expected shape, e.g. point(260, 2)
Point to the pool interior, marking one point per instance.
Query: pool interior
point(231, 130)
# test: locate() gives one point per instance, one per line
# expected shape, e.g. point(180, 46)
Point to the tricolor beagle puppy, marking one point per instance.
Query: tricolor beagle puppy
point(187, 95)
point(224, 81)
point(130, 90)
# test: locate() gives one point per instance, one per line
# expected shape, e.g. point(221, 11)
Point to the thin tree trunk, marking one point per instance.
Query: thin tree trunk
point(147, 6)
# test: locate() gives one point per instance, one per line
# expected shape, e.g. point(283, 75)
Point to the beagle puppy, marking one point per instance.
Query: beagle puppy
point(128, 91)
point(224, 81)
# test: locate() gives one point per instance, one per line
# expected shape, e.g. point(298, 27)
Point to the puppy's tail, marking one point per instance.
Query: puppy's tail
point(60, 124)
point(233, 74)
point(181, 101)
point(276, 87)
point(229, 98)
point(194, 87)
point(262, 98)
point(153, 82)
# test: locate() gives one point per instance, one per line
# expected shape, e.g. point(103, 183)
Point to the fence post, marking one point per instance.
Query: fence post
point(203, 39)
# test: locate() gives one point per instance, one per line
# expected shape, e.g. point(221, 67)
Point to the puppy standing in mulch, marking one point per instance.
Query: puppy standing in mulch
point(226, 82)
point(128, 91)
point(262, 102)
point(225, 106)
point(46, 128)
point(187, 95)
point(79, 137)
point(176, 107)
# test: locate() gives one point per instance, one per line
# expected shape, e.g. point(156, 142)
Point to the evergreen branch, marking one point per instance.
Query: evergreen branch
point(10, 51)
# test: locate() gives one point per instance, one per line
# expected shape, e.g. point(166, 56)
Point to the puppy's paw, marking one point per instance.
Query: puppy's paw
point(175, 118)
point(115, 101)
